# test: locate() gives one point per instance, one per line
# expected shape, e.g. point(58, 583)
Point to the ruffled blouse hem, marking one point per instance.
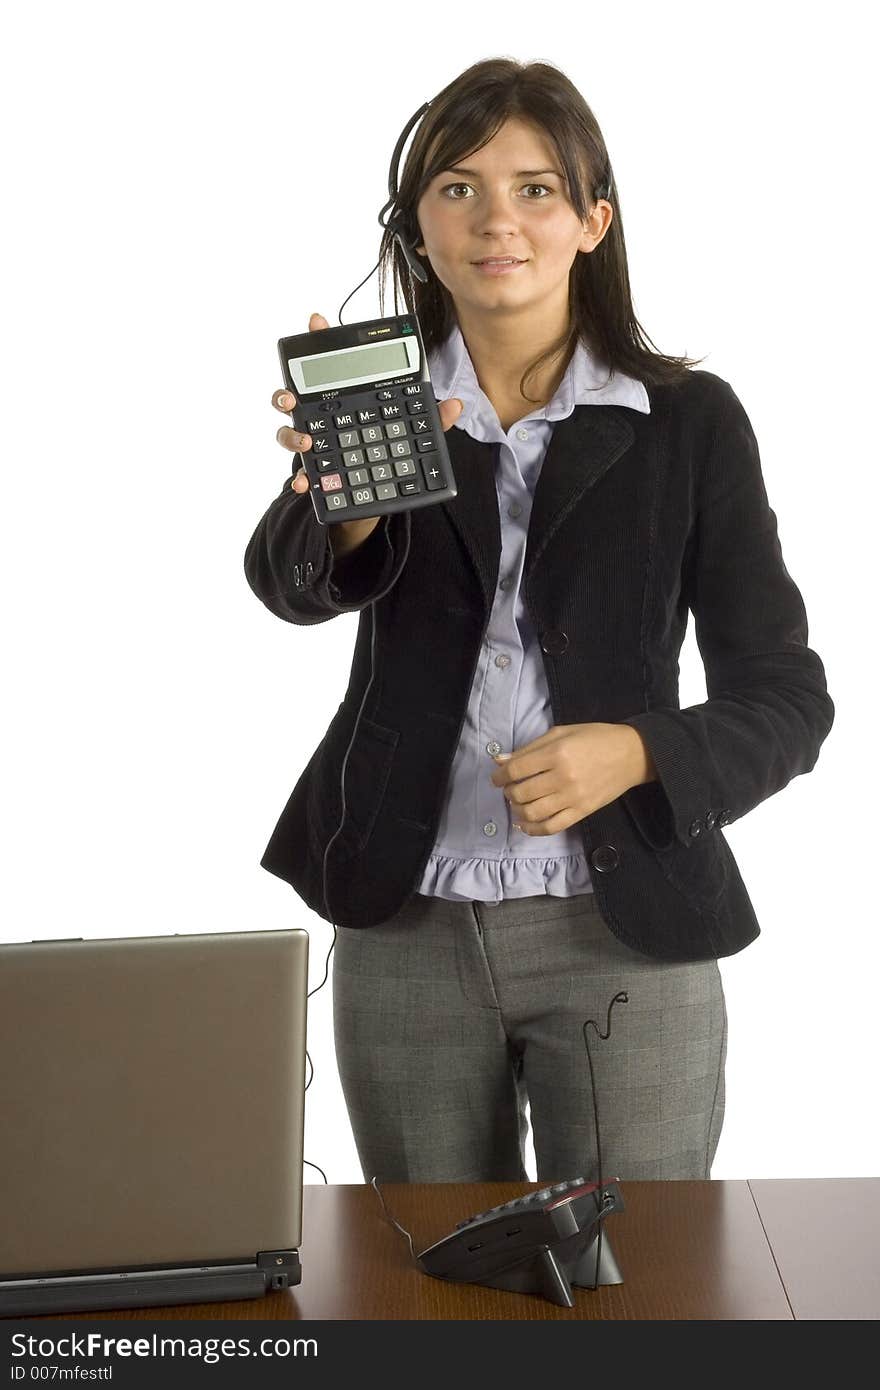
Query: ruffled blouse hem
point(494, 880)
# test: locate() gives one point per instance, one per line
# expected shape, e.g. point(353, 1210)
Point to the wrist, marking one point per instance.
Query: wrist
point(641, 763)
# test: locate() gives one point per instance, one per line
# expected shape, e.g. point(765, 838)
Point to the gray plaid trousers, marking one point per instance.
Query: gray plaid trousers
point(450, 1016)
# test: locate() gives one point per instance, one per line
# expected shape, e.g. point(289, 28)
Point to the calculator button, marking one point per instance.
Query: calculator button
point(318, 425)
point(381, 471)
point(344, 422)
point(360, 496)
point(400, 448)
point(376, 452)
point(358, 476)
point(390, 412)
point(326, 462)
point(412, 390)
point(433, 476)
point(352, 457)
point(402, 467)
point(335, 501)
point(420, 426)
point(349, 439)
point(385, 490)
point(427, 443)
point(366, 416)
point(409, 487)
point(372, 434)
point(320, 446)
point(386, 395)
point(396, 431)
point(415, 406)
point(331, 482)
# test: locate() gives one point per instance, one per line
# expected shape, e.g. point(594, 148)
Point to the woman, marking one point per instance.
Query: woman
point(565, 843)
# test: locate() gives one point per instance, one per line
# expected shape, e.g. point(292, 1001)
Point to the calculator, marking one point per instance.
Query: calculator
point(364, 395)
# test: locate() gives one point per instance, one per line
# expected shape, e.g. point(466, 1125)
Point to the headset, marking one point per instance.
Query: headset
point(392, 218)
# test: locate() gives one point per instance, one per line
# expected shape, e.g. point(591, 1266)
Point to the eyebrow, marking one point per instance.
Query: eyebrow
point(520, 174)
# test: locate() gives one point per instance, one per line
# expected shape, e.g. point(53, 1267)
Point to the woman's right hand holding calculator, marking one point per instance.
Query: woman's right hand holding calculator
point(344, 535)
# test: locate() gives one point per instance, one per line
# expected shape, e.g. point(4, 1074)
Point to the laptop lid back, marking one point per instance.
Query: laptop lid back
point(152, 1097)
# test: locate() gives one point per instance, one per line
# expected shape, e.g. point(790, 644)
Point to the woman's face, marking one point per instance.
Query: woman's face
point(512, 202)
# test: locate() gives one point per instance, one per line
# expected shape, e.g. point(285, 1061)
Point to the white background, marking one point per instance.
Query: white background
point(184, 185)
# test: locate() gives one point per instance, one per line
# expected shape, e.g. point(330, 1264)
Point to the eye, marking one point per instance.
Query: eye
point(449, 186)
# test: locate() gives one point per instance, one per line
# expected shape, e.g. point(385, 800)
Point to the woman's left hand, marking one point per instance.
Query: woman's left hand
point(569, 772)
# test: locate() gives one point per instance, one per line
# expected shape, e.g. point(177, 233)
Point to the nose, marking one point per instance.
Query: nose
point(495, 214)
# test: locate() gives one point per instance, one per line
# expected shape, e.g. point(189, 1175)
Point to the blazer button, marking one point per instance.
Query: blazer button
point(695, 828)
point(554, 641)
point(605, 858)
point(724, 818)
point(711, 818)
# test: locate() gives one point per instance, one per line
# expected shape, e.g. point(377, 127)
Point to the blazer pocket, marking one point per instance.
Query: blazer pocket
point(699, 870)
point(366, 778)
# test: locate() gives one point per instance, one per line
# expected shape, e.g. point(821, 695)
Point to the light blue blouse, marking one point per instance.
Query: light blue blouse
point(477, 855)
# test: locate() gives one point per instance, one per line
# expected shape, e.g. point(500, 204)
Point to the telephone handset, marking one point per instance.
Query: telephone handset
point(543, 1243)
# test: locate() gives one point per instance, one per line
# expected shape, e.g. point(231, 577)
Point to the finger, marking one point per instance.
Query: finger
point(449, 411)
point(317, 322)
point(300, 483)
point(293, 440)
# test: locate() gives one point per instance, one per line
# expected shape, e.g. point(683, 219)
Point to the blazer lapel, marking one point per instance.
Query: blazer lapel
point(582, 447)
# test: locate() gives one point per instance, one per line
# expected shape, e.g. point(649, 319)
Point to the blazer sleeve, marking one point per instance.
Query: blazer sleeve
point(768, 708)
point(290, 565)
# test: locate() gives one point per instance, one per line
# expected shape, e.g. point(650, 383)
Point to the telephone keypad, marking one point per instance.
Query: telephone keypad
point(532, 1199)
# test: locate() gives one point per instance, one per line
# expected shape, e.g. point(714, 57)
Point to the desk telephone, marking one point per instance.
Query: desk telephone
point(544, 1242)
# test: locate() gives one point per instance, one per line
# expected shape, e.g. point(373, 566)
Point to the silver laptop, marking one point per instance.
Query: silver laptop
point(151, 1119)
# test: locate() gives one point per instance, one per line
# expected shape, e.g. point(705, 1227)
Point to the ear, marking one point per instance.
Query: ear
point(591, 238)
point(588, 235)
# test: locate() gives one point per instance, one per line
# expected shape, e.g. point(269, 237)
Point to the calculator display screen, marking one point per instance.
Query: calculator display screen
point(354, 365)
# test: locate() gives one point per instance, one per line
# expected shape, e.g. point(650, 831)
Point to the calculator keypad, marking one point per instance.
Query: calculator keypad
point(378, 448)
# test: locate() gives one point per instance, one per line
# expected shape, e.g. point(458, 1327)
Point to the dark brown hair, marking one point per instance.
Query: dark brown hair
point(459, 121)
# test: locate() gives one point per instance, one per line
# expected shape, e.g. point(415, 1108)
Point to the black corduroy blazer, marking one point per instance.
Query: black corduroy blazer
point(636, 520)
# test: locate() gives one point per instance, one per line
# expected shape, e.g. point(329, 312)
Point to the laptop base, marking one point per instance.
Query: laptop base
point(275, 1269)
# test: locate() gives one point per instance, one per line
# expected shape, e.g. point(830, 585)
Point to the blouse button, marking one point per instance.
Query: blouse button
point(490, 828)
point(514, 509)
point(502, 661)
point(522, 434)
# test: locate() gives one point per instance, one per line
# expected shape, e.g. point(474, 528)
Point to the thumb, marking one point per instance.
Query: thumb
point(450, 410)
point(316, 322)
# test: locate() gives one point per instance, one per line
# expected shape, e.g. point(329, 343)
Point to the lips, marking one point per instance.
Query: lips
point(500, 260)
